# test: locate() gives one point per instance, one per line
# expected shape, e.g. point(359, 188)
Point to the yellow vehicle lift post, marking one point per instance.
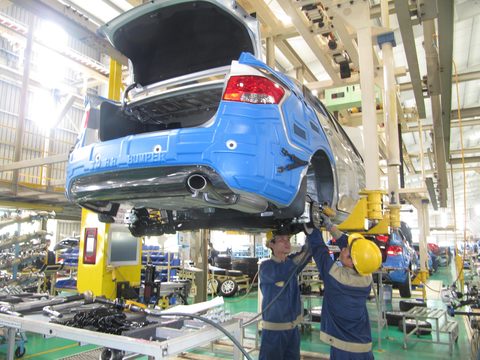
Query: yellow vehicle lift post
point(94, 273)
point(369, 206)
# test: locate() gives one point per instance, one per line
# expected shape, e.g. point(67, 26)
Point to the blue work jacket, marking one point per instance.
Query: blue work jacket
point(345, 324)
point(274, 275)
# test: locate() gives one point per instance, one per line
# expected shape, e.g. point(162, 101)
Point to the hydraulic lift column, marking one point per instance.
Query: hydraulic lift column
point(94, 272)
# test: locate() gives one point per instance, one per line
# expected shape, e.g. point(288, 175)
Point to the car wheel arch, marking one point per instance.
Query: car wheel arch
point(322, 168)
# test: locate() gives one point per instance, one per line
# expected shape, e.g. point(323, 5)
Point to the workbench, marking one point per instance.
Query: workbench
point(441, 325)
point(178, 340)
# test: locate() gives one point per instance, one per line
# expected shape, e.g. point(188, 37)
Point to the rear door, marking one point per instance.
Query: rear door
point(349, 171)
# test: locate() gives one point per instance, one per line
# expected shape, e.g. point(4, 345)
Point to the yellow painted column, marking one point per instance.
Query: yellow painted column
point(115, 80)
point(460, 274)
point(94, 272)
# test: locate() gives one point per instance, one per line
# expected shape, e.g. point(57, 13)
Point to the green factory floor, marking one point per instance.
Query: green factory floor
point(391, 347)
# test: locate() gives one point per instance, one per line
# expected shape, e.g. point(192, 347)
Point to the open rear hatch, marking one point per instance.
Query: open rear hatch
point(169, 38)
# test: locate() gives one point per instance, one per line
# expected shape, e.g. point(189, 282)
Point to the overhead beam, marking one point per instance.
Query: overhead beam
point(29, 206)
point(74, 22)
point(467, 113)
point(293, 57)
point(34, 162)
point(113, 6)
point(376, 12)
point(298, 20)
point(408, 38)
point(347, 41)
point(468, 119)
point(90, 16)
point(466, 160)
point(463, 77)
point(434, 90)
point(274, 27)
point(135, 2)
point(445, 44)
point(431, 192)
point(352, 80)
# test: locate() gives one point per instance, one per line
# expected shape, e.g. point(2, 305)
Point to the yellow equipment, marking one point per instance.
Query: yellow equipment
point(130, 303)
point(366, 255)
point(94, 272)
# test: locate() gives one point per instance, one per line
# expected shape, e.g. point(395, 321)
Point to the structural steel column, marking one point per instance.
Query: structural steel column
point(391, 123)
point(270, 45)
point(369, 116)
point(423, 225)
point(434, 90)
point(357, 15)
point(199, 253)
point(23, 101)
point(386, 43)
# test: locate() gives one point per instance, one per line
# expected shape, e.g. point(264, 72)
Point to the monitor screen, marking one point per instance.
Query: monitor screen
point(124, 249)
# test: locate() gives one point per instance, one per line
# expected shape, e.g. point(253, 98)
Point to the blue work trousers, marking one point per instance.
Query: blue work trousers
point(280, 345)
point(337, 354)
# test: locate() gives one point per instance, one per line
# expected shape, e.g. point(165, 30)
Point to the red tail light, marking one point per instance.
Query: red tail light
point(394, 250)
point(382, 238)
point(86, 116)
point(253, 89)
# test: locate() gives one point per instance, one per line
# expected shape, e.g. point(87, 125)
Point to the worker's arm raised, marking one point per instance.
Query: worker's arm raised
point(331, 227)
point(302, 258)
point(320, 252)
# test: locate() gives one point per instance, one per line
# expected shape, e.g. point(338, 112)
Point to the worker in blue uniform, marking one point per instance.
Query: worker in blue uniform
point(282, 313)
point(347, 283)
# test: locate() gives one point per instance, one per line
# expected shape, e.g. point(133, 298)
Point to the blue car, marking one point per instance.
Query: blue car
point(207, 135)
point(402, 261)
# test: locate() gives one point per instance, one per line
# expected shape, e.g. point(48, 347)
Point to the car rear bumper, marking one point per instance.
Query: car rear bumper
point(242, 150)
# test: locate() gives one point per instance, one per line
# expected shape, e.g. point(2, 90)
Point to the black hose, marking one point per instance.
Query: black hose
point(208, 321)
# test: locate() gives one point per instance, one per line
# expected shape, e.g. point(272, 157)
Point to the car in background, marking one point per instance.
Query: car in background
point(207, 135)
point(432, 259)
point(445, 256)
point(400, 262)
point(435, 253)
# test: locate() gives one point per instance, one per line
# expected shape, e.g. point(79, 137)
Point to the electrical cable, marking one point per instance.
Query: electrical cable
point(89, 296)
point(247, 292)
point(294, 272)
point(208, 321)
point(424, 283)
point(252, 320)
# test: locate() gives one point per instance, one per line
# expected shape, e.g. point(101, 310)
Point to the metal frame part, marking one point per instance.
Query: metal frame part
point(155, 349)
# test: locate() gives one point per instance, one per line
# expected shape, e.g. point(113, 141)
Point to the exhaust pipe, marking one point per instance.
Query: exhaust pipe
point(201, 187)
point(197, 183)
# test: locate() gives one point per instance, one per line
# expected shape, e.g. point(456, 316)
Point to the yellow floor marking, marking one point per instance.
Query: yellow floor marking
point(50, 351)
